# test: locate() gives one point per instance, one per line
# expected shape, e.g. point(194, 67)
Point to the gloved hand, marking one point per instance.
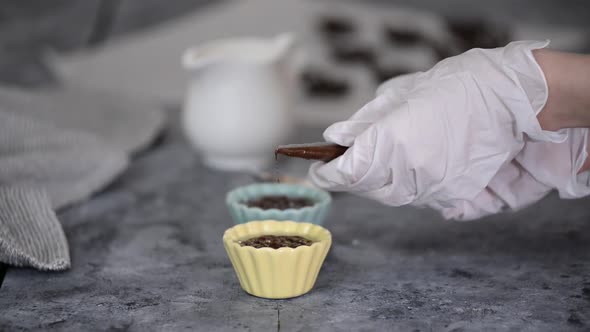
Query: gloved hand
point(462, 138)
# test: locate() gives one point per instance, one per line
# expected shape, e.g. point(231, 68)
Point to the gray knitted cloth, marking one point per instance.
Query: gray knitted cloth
point(57, 147)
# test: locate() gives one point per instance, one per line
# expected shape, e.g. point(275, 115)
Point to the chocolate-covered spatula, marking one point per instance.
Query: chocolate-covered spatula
point(312, 151)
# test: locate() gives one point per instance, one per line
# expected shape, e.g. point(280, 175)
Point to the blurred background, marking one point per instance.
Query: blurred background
point(30, 28)
point(342, 50)
point(134, 47)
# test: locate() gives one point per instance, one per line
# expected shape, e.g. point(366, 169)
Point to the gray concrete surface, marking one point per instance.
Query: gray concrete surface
point(147, 256)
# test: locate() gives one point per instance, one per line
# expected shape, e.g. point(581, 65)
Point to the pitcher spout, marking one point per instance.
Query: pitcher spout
point(285, 44)
point(197, 57)
point(240, 50)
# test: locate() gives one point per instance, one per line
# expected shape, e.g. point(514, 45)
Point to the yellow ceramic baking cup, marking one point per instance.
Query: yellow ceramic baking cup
point(277, 273)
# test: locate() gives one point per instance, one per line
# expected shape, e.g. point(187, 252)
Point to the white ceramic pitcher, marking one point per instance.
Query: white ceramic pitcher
point(238, 106)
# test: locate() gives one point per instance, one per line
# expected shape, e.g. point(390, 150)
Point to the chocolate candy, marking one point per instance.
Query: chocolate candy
point(353, 54)
point(276, 241)
point(403, 37)
point(319, 84)
point(382, 74)
point(335, 26)
point(477, 34)
point(406, 37)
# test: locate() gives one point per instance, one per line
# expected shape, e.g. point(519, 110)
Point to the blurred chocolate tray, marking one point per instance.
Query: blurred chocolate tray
point(346, 49)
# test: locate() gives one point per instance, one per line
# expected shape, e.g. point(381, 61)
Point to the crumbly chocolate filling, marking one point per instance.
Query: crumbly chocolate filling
point(276, 241)
point(279, 202)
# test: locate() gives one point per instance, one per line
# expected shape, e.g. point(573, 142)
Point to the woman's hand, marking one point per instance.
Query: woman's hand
point(462, 138)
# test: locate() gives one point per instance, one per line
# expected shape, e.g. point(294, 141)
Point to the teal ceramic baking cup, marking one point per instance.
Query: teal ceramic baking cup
point(241, 213)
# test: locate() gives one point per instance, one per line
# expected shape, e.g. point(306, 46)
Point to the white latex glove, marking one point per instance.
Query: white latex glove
point(462, 138)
